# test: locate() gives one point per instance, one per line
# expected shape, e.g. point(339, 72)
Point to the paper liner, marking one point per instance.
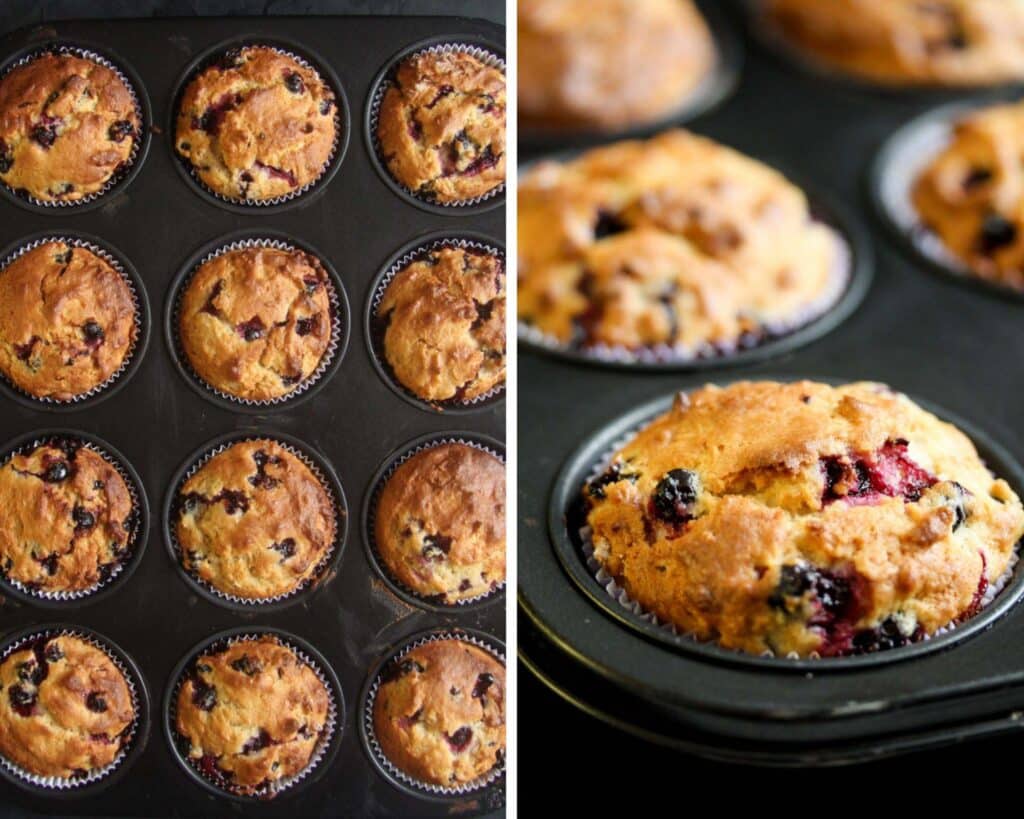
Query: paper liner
point(121, 173)
point(140, 318)
point(95, 775)
point(338, 330)
point(488, 58)
point(479, 784)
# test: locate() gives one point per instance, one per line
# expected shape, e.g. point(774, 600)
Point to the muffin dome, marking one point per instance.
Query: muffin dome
point(803, 519)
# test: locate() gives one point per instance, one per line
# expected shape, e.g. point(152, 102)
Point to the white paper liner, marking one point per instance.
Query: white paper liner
point(465, 789)
point(397, 267)
point(338, 330)
point(485, 56)
point(321, 568)
point(130, 543)
point(319, 750)
point(95, 775)
point(120, 174)
point(140, 328)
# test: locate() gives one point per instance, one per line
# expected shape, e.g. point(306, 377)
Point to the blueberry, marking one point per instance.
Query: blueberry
point(293, 82)
point(959, 507)
point(45, 135)
point(996, 231)
point(976, 177)
point(460, 740)
point(53, 653)
point(245, 665)
point(22, 701)
point(675, 495)
point(96, 702)
point(120, 129)
point(608, 224)
point(436, 547)
point(325, 107)
point(6, 157)
point(252, 329)
point(257, 743)
point(613, 474)
point(57, 472)
point(204, 696)
point(483, 682)
point(305, 326)
point(884, 636)
point(286, 548)
point(84, 519)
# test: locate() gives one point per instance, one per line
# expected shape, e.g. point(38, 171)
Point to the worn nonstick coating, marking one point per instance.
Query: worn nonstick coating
point(156, 420)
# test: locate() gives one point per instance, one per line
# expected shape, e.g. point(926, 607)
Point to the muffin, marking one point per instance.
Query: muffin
point(67, 709)
point(908, 42)
point(256, 323)
point(68, 125)
point(675, 244)
point(441, 126)
point(254, 522)
point(257, 124)
point(252, 715)
point(439, 713)
point(440, 523)
point(68, 321)
point(802, 519)
point(445, 324)
point(69, 519)
point(609, 64)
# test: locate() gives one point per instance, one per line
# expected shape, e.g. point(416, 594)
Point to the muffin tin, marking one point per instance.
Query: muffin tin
point(157, 417)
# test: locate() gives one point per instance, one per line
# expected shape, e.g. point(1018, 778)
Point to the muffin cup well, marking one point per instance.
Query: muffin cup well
point(138, 732)
point(375, 327)
point(330, 740)
point(136, 543)
point(342, 120)
point(133, 357)
point(340, 322)
point(483, 50)
point(369, 516)
point(322, 471)
point(490, 786)
point(140, 146)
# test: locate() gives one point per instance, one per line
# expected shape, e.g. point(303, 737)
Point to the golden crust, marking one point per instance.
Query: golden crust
point(257, 125)
point(440, 522)
point(818, 519)
point(254, 521)
point(606, 64)
point(441, 126)
point(439, 713)
point(445, 316)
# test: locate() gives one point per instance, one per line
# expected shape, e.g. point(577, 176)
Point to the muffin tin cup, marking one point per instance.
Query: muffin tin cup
point(375, 328)
point(369, 517)
point(484, 50)
point(322, 471)
point(341, 322)
point(58, 787)
point(140, 145)
point(136, 352)
point(137, 542)
point(342, 118)
point(326, 749)
point(484, 785)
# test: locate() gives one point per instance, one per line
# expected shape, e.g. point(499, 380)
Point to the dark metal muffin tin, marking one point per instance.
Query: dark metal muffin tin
point(156, 419)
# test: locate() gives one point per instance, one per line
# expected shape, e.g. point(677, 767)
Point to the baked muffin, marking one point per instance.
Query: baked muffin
point(440, 523)
point(252, 715)
point(257, 124)
point(69, 517)
point(439, 713)
point(67, 710)
point(441, 126)
point(609, 64)
point(908, 42)
point(255, 323)
point(68, 125)
point(803, 519)
point(675, 244)
point(68, 321)
point(445, 324)
point(254, 521)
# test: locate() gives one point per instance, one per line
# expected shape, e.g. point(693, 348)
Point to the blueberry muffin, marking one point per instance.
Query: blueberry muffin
point(441, 126)
point(254, 521)
point(69, 517)
point(257, 124)
point(66, 709)
point(439, 713)
point(68, 321)
point(675, 244)
point(68, 125)
point(609, 64)
point(908, 42)
point(445, 324)
point(803, 519)
point(252, 715)
point(255, 323)
point(440, 523)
